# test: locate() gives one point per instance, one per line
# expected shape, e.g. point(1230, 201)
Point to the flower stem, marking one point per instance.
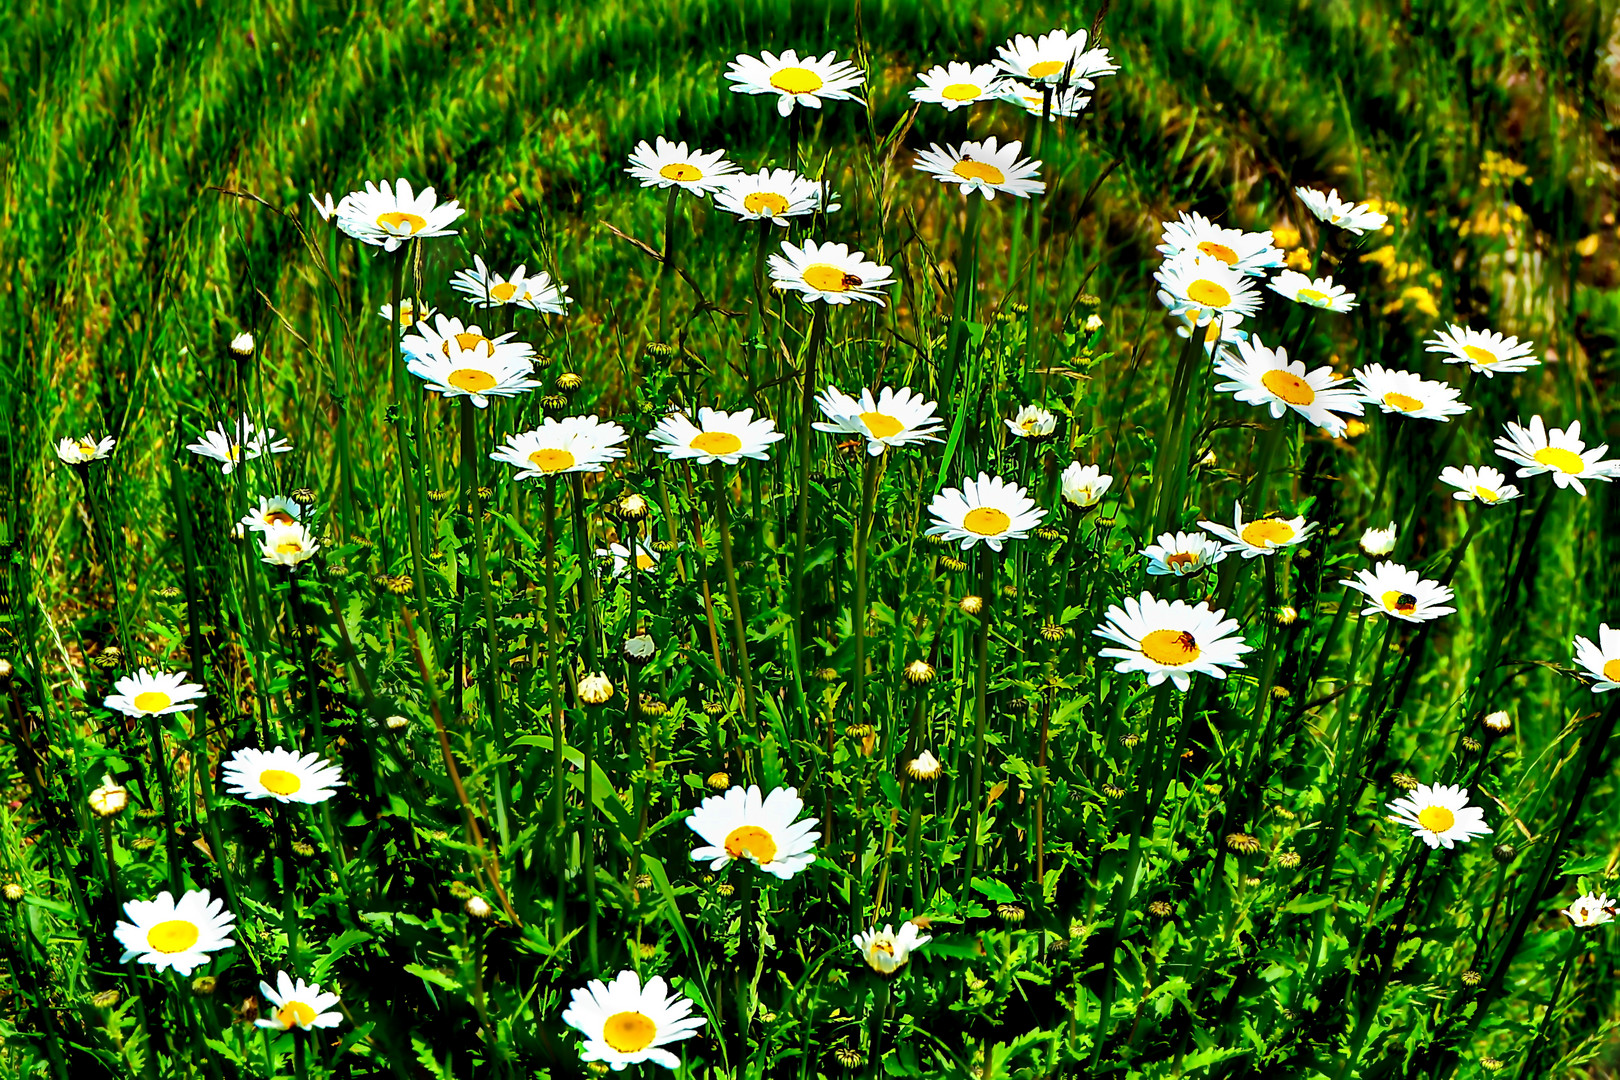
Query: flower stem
point(492, 667)
point(863, 534)
point(981, 684)
point(666, 272)
point(733, 596)
point(407, 474)
point(967, 278)
point(818, 331)
point(554, 643)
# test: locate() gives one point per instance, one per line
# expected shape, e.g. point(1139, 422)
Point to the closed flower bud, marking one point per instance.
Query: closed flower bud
point(554, 402)
point(925, 767)
point(1113, 791)
point(107, 999)
point(1470, 744)
point(651, 707)
point(242, 344)
point(719, 781)
point(1499, 722)
point(1242, 843)
point(952, 564)
point(1470, 978)
point(110, 799)
point(714, 707)
point(569, 382)
point(1161, 909)
point(13, 892)
point(1286, 615)
point(595, 689)
point(478, 907)
point(396, 723)
point(1379, 541)
point(919, 673)
point(1053, 632)
point(1011, 913)
point(857, 731)
point(632, 507)
point(640, 648)
point(1130, 740)
point(971, 605)
point(1504, 853)
point(1288, 860)
point(1404, 781)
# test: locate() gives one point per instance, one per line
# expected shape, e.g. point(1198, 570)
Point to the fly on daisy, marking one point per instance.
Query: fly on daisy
point(1484, 351)
point(486, 289)
point(1589, 910)
point(1352, 217)
point(1262, 536)
point(885, 951)
point(726, 437)
point(1032, 422)
point(892, 418)
point(1205, 289)
point(983, 167)
point(447, 334)
point(775, 195)
point(626, 1023)
point(831, 273)
point(82, 451)
point(1314, 292)
point(296, 1006)
point(570, 444)
point(1182, 554)
point(956, 84)
point(234, 444)
point(1197, 237)
point(1480, 482)
point(1408, 393)
point(988, 510)
point(667, 164)
point(742, 825)
point(1171, 640)
point(1440, 816)
point(1601, 659)
point(154, 693)
point(806, 81)
point(282, 775)
point(1266, 377)
point(1056, 57)
point(1391, 589)
point(389, 215)
point(1084, 486)
point(1559, 453)
point(182, 936)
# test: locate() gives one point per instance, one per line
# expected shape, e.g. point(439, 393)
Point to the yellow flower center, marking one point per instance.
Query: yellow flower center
point(1218, 251)
point(681, 172)
point(87, 448)
point(280, 781)
point(1043, 68)
point(884, 946)
point(1181, 559)
point(644, 561)
point(1402, 402)
point(153, 701)
point(986, 521)
point(472, 380)
point(828, 278)
point(881, 425)
point(1266, 532)
point(1207, 293)
point(751, 841)
point(1485, 494)
point(1611, 670)
point(396, 220)
point(1403, 602)
point(1171, 647)
point(1312, 296)
point(1436, 819)
point(796, 80)
point(468, 341)
point(503, 291)
point(295, 1014)
point(289, 547)
point(551, 460)
point(961, 91)
point(717, 443)
point(1563, 460)
point(1288, 386)
point(279, 517)
point(765, 203)
point(172, 936)
point(1483, 357)
point(978, 170)
point(628, 1032)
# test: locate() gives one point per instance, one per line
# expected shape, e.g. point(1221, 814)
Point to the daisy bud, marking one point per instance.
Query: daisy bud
point(664, 547)
point(725, 888)
point(1113, 791)
point(110, 657)
point(1161, 909)
point(1049, 534)
point(925, 767)
point(1280, 693)
point(714, 707)
point(5, 672)
point(396, 723)
point(639, 649)
point(1130, 740)
point(647, 949)
point(242, 344)
point(1499, 722)
point(554, 402)
point(595, 689)
point(1470, 978)
point(13, 892)
point(460, 890)
point(569, 382)
point(919, 673)
point(107, 999)
point(204, 986)
point(632, 507)
point(1470, 744)
point(1093, 322)
point(848, 1057)
point(440, 495)
point(1242, 843)
point(478, 907)
point(1011, 913)
point(110, 799)
point(1504, 853)
point(1051, 631)
point(1286, 615)
point(1288, 860)
point(1404, 781)
point(303, 849)
point(1490, 1063)
point(971, 605)
point(952, 563)
point(650, 707)
point(1379, 541)
point(303, 495)
point(643, 881)
point(857, 731)
point(719, 781)
point(827, 674)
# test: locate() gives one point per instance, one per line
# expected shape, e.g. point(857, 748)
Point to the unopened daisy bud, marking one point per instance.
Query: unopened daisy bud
point(1113, 791)
point(1379, 541)
point(1280, 693)
point(952, 564)
point(971, 605)
point(1504, 853)
point(848, 1057)
point(1011, 913)
point(935, 539)
point(643, 881)
point(110, 799)
point(569, 382)
point(1286, 615)
point(107, 999)
point(1288, 860)
point(660, 350)
point(554, 402)
point(1130, 740)
point(110, 657)
point(1490, 1064)
point(1470, 744)
point(919, 673)
point(460, 890)
point(143, 843)
point(13, 892)
point(1161, 909)
point(1404, 781)
point(925, 767)
point(647, 949)
point(303, 849)
point(714, 707)
point(857, 731)
point(1087, 300)
point(1051, 631)
point(651, 707)
point(725, 888)
point(665, 547)
point(632, 507)
point(204, 986)
point(1470, 978)
point(400, 584)
point(827, 674)
point(1093, 323)
point(1048, 533)
point(719, 781)
point(242, 344)
point(595, 689)
point(1499, 722)
point(478, 907)
point(396, 723)
point(1242, 843)
point(640, 648)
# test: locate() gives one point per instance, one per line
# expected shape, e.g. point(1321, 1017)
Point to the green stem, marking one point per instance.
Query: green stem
point(981, 685)
point(863, 531)
point(666, 272)
point(733, 596)
point(966, 283)
point(554, 643)
point(492, 666)
point(406, 472)
point(818, 331)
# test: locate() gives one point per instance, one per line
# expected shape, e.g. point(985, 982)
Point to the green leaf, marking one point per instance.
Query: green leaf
point(997, 892)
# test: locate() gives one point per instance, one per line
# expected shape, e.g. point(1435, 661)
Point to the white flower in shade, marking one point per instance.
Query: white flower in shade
point(1265, 377)
point(1483, 483)
point(726, 437)
point(1408, 393)
point(806, 81)
point(1055, 57)
point(165, 934)
point(696, 172)
point(983, 167)
point(276, 510)
point(1220, 335)
point(447, 335)
point(957, 84)
point(1171, 640)
point(1315, 292)
point(242, 344)
point(1484, 351)
point(571, 444)
point(626, 1023)
point(894, 418)
point(886, 951)
point(1084, 485)
point(232, 445)
point(1205, 289)
point(1391, 589)
point(282, 775)
point(646, 558)
point(831, 273)
point(1439, 816)
point(1195, 236)
point(407, 312)
point(486, 289)
point(1379, 541)
point(296, 1005)
point(1562, 454)
point(1182, 554)
point(1589, 910)
point(771, 195)
point(1058, 103)
point(288, 545)
point(1602, 659)
point(154, 693)
point(387, 216)
point(84, 450)
point(742, 825)
point(1032, 422)
point(988, 510)
point(327, 208)
point(1263, 535)
point(1352, 217)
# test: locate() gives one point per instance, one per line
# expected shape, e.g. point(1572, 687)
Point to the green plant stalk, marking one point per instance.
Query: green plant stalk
point(967, 275)
point(1527, 1070)
point(1164, 470)
point(554, 642)
point(492, 666)
point(807, 405)
point(587, 580)
point(863, 535)
point(1259, 483)
point(739, 623)
point(412, 511)
point(981, 686)
point(1037, 144)
point(666, 270)
point(587, 828)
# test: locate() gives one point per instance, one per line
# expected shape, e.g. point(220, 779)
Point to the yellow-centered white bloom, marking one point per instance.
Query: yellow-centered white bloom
point(446, 335)
point(1601, 659)
point(831, 273)
point(1032, 422)
point(1408, 393)
point(1484, 351)
point(1590, 909)
point(1352, 217)
point(568, 444)
point(886, 951)
point(1195, 236)
point(1220, 335)
point(276, 510)
point(726, 437)
point(1439, 816)
point(84, 450)
point(1171, 640)
point(457, 360)
point(288, 545)
point(165, 934)
point(154, 693)
point(772, 195)
point(1315, 292)
point(1205, 289)
point(893, 418)
point(626, 1023)
point(1058, 103)
point(646, 557)
point(983, 167)
point(795, 80)
point(1478, 482)
point(1056, 57)
point(296, 1006)
point(1263, 535)
point(234, 444)
point(957, 84)
point(1257, 375)
point(1562, 454)
point(1084, 485)
point(242, 344)
point(486, 289)
point(988, 510)
point(742, 825)
point(1391, 589)
point(1182, 554)
point(389, 215)
point(407, 312)
point(1379, 541)
point(696, 172)
point(283, 775)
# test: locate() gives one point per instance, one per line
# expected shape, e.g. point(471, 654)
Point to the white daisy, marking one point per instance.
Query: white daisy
point(808, 81)
point(771, 195)
point(387, 216)
point(886, 951)
point(1265, 377)
point(327, 208)
point(646, 558)
point(243, 441)
point(84, 450)
point(154, 693)
point(1562, 454)
point(1205, 289)
point(1314, 292)
point(1440, 815)
point(983, 167)
point(957, 84)
point(727, 437)
point(741, 825)
point(1055, 57)
point(988, 510)
point(282, 775)
point(1482, 482)
point(297, 1005)
point(242, 344)
point(447, 334)
point(1084, 485)
point(568, 445)
point(407, 312)
point(288, 545)
point(460, 361)
point(1220, 335)
point(1379, 541)
point(1263, 535)
point(276, 510)
point(1032, 422)
point(181, 935)
point(1590, 909)
point(1059, 103)
point(1182, 554)
point(1197, 237)
point(697, 172)
point(1408, 393)
point(894, 418)
point(1393, 590)
point(1484, 351)
point(486, 289)
point(1601, 660)
point(831, 273)
point(1171, 640)
point(626, 1023)
point(1352, 217)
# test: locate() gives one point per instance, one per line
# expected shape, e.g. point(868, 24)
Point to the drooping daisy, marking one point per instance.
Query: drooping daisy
point(957, 84)
point(84, 450)
point(1084, 485)
point(1391, 589)
point(1601, 659)
point(626, 1023)
point(831, 273)
point(1032, 422)
point(282, 775)
point(1439, 816)
point(181, 935)
point(154, 693)
point(988, 510)
point(1352, 217)
point(1590, 909)
point(1484, 351)
point(894, 418)
point(1408, 393)
point(1205, 289)
point(276, 510)
point(568, 445)
point(806, 81)
point(1171, 640)
point(288, 545)
point(983, 167)
point(1266, 377)
point(885, 951)
point(696, 172)
point(742, 825)
point(387, 216)
point(1182, 554)
point(407, 312)
point(1315, 292)
point(1057, 103)
point(467, 364)
point(1262, 536)
point(1055, 57)
point(296, 1005)
point(231, 445)
point(775, 195)
point(726, 437)
point(1482, 482)
point(1377, 541)
point(1197, 237)
point(486, 289)
point(1563, 454)
point(646, 558)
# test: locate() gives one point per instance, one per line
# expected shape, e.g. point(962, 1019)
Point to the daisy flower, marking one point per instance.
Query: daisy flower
point(1590, 909)
point(1482, 482)
point(626, 1023)
point(1064, 101)
point(1440, 815)
point(1601, 660)
point(742, 825)
point(571, 444)
point(1262, 536)
point(288, 545)
point(1084, 485)
point(1032, 422)
point(1561, 453)
point(388, 216)
point(646, 558)
point(153, 693)
point(894, 418)
point(988, 510)
point(457, 361)
point(181, 935)
point(486, 289)
point(243, 441)
point(717, 436)
point(407, 312)
point(831, 273)
point(276, 510)
point(1220, 335)
point(1197, 237)
point(298, 1005)
point(282, 775)
point(1265, 377)
point(1055, 57)
point(1171, 640)
point(983, 167)
point(1205, 289)
point(885, 951)
point(1379, 541)
point(84, 450)
point(1408, 393)
point(447, 334)
point(957, 84)
point(1393, 590)
point(326, 208)
point(808, 81)
point(1352, 217)
point(1484, 351)
point(697, 172)
point(771, 195)
point(1182, 554)
point(1315, 292)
